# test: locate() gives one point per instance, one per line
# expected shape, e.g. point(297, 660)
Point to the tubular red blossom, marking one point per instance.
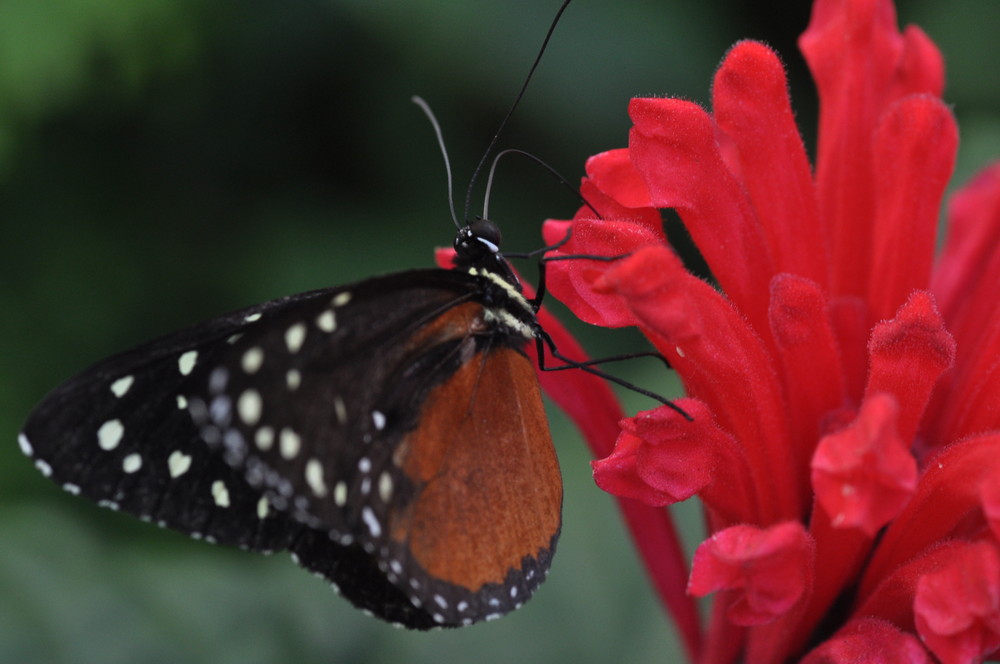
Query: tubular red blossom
point(864, 475)
point(914, 153)
point(908, 355)
point(662, 458)
point(861, 64)
point(673, 146)
point(810, 359)
point(770, 570)
point(958, 607)
point(751, 105)
point(869, 640)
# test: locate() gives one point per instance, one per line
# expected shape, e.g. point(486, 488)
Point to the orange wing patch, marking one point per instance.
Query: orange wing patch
point(488, 488)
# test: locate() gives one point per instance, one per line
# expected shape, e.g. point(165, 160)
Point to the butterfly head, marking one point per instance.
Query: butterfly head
point(477, 244)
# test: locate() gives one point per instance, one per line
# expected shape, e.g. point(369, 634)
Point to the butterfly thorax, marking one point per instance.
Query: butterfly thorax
point(507, 311)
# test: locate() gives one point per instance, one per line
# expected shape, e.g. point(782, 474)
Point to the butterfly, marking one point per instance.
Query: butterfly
point(389, 433)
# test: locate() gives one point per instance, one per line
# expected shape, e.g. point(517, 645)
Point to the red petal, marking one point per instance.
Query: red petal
point(864, 475)
point(722, 362)
point(673, 146)
point(958, 607)
point(869, 640)
point(750, 102)
point(810, 359)
point(908, 355)
point(861, 65)
point(915, 147)
point(661, 458)
point(769, 570)
point(571, 281)
point(613, 174)
point(970, 257)
point(948, 493)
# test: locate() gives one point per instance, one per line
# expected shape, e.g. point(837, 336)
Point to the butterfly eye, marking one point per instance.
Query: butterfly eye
point(487, 233)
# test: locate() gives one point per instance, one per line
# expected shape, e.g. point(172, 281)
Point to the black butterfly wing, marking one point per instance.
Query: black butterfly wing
point(120, 434)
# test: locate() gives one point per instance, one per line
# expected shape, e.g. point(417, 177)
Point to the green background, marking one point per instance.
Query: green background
point(162, 161)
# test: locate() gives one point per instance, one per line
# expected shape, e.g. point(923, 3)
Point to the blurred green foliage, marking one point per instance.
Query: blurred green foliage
point(165, 161)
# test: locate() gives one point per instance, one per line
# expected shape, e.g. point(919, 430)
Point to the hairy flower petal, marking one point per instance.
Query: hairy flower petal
point(914, 152)
point(862, 64)
point(863, 475)
point(571, 280)
point(957, 608)
point(673, 146)
point(750, 103)
point(769, 570)
point(869, 640)
point(908, 355)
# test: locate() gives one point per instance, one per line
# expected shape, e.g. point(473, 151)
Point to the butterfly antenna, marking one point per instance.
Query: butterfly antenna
point(419, 101)
point(517, 100)
point(556, 174)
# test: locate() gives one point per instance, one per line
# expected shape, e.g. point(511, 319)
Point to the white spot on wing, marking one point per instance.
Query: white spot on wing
point(220, 494)
point(264, 438)
point(252, 318)
point(340, 409)
point(314, 476)
point(110, 434)
point(252, 359)
point(295, 336)
point(72, 488)
point(341, 299)
point(340, 493)
point(182, 401)
point(249, 406)
point(185, 363)
point(378, 419)
point(132, 463)
point(327, 321)
point(293, 379)
point(178, 463)
point(289, 443)
point(385, 487)
point(121, 386)
point(368, 516)
point(25, 446)
point(43, 468)
point(263, 509)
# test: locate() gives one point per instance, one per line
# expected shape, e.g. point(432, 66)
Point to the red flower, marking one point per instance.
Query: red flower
point(843, 382)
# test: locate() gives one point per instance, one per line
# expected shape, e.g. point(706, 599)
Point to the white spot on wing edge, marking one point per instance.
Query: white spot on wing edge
point(252, 318)
point(43, 467)
point(378, 419)
point(110, 434)
point(25, 444)
point(121, 386)
point(340, 299)
point(220, 494)
point(264, 438)
point(371, 521)
point(185, 363)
